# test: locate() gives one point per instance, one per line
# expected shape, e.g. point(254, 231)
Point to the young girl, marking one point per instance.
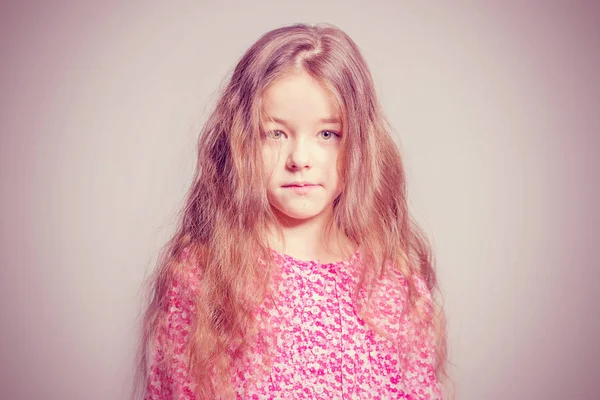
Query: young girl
point(296, 270)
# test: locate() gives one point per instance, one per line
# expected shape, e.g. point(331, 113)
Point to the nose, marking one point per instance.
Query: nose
point(299, 156)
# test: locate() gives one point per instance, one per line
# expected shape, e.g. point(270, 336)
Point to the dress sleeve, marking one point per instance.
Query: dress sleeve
point(168, 376)
point(414, 374)
point(420, 376)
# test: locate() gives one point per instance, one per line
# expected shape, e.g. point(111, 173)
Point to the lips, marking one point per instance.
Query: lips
point(299, 184)
point(300, 189)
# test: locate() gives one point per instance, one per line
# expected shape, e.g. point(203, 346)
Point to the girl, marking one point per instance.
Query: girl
point(296, 270)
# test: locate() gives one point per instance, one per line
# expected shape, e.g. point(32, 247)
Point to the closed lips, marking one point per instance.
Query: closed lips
point(299, 184)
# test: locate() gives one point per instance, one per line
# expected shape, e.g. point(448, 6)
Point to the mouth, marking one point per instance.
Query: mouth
point(300, 189)
point(300, 185)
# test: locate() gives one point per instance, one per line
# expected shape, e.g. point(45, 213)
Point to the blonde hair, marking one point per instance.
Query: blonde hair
point(226, 215)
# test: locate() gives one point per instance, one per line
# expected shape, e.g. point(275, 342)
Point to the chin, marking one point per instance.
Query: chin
point(299, 213)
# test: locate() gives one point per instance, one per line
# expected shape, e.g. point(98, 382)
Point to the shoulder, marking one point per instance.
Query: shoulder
point(397, 277)
point(392, 296)
point(186, 272)
point(178, 298)
point(168, 355)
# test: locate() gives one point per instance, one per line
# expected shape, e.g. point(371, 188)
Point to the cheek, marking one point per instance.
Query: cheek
point(334, 168)
point(336, 172)
point(270, 159)
point(338, 181)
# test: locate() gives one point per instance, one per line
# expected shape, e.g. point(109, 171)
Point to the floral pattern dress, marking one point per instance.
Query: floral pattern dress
point(321, 348)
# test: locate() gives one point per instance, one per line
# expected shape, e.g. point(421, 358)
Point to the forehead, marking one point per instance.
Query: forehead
point(298, 97)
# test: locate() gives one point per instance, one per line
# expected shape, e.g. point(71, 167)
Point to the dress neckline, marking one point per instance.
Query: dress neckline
point(298, 261)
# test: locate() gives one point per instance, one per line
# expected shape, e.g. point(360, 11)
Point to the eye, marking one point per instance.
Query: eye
point(329, 135)
point(275, 134)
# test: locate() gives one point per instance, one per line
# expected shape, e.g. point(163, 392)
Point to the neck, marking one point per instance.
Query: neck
point(308, 240)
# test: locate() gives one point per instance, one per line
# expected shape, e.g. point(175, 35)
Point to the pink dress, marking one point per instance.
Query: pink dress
point(321, 348)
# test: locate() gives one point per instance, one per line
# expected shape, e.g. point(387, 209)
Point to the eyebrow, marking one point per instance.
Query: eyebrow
point(328, 120)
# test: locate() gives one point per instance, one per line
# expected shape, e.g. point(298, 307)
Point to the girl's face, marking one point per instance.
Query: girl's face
point(301, 147)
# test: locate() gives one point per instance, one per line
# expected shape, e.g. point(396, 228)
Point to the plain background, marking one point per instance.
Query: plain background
point(495, 106)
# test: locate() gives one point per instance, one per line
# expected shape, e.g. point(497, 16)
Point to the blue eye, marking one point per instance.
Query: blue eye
point(276, 134)
point(329, 134)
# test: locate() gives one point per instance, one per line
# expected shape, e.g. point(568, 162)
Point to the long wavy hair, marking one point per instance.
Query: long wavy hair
point(226, 218)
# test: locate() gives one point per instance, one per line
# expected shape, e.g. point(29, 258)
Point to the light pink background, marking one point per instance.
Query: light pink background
point(496, 108)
